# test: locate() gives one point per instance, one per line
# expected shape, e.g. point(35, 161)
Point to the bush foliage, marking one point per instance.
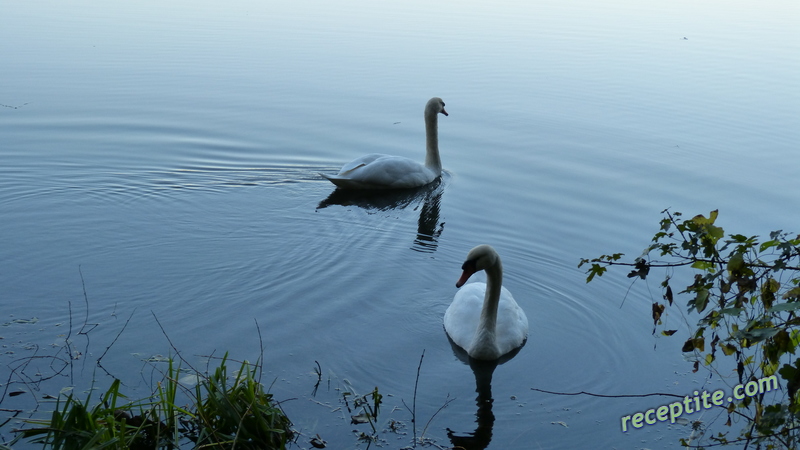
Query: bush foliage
point(746, 292)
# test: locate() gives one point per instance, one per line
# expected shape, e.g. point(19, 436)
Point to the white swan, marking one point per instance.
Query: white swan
point(484, 319)
point(377, 171)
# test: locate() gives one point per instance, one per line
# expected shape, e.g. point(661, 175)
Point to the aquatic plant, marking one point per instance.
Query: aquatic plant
point(237, 414)
point(367, 407)
point(224, 413)
point(108, 424)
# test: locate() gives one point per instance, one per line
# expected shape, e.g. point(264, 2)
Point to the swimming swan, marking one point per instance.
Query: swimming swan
point(377, 171)
point(484, 319)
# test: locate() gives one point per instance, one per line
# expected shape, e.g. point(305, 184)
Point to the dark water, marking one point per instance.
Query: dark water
point(170, 154)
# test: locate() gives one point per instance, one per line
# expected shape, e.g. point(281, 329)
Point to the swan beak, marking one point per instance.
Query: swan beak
point(444, 112)
point(468, 271)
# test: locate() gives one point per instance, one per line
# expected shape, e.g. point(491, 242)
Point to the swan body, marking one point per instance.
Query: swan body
point(378, 171)
point(483, 318)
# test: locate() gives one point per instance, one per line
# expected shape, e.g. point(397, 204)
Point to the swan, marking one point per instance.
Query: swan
point(484, 319)
point(377, 171)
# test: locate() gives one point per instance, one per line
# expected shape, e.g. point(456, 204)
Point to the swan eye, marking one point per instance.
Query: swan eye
point(469, 265)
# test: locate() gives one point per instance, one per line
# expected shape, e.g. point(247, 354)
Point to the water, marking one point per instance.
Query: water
point(168, 155)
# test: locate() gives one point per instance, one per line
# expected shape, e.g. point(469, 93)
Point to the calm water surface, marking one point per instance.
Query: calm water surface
point(169, 155)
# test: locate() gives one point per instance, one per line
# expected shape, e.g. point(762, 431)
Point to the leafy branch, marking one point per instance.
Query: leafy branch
point(746, 291)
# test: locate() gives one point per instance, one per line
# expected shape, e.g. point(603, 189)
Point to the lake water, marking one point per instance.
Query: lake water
point(167, 155)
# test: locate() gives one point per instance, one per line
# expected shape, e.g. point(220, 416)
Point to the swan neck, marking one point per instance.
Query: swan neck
point(494, 283)
point(432, 160)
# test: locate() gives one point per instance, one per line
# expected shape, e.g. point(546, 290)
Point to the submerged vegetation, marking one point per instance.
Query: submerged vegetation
point(745, 292)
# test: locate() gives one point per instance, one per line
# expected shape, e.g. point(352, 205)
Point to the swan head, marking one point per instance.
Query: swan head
point(434, 107)
point(479, 258)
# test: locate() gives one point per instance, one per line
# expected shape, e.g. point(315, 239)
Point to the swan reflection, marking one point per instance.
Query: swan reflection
point(427, 199)
point(484, 417)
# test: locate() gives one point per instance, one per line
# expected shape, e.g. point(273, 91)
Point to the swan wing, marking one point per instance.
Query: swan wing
point(382, 171)
point(512, 323)
point(359, 162)
point(462, 317)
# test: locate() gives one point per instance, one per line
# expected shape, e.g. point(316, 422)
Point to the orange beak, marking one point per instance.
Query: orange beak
point(468, 271)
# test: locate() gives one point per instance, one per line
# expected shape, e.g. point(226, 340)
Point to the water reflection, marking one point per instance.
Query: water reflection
point(428, 227)
point(427, 199)
point(484, 417)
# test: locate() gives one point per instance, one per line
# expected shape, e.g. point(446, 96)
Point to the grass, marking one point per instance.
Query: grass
point(239, 414)
point(108, 424)
point(224, 413)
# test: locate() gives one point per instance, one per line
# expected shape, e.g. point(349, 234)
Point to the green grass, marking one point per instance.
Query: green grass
point(223, 413)
point(237, 413)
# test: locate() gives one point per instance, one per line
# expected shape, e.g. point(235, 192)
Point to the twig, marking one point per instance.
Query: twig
point(692, 261)
point(16, 413)
point(85, 300)
point(14, 107)
point(83, 331)
point(100, 358)
point(261, 353)
point(67, 340)
point(175, 349)
point(626, 294)
point(413, 409)
point(319, 379)
point(447, 401)
point(654, 394)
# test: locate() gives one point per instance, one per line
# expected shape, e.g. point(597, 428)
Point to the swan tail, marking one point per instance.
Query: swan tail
point(344, 183)
point(332, 178)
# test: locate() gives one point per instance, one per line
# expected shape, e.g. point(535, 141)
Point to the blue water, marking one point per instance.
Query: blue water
point(168, 155)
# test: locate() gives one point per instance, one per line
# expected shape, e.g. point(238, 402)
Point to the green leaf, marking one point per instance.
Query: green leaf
point(768, 290)
point(769, 368)
point(700, 344)
point(768, 244)
point(716, 232)
point(789, 372)
point(596, 269)
point(785, 307)
point(783, 342)
point(703, 265)
point(701, 219)
point(736, 263)
point(701, 300)
point(728, 349)
point(793, 293)
point(757, 335)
